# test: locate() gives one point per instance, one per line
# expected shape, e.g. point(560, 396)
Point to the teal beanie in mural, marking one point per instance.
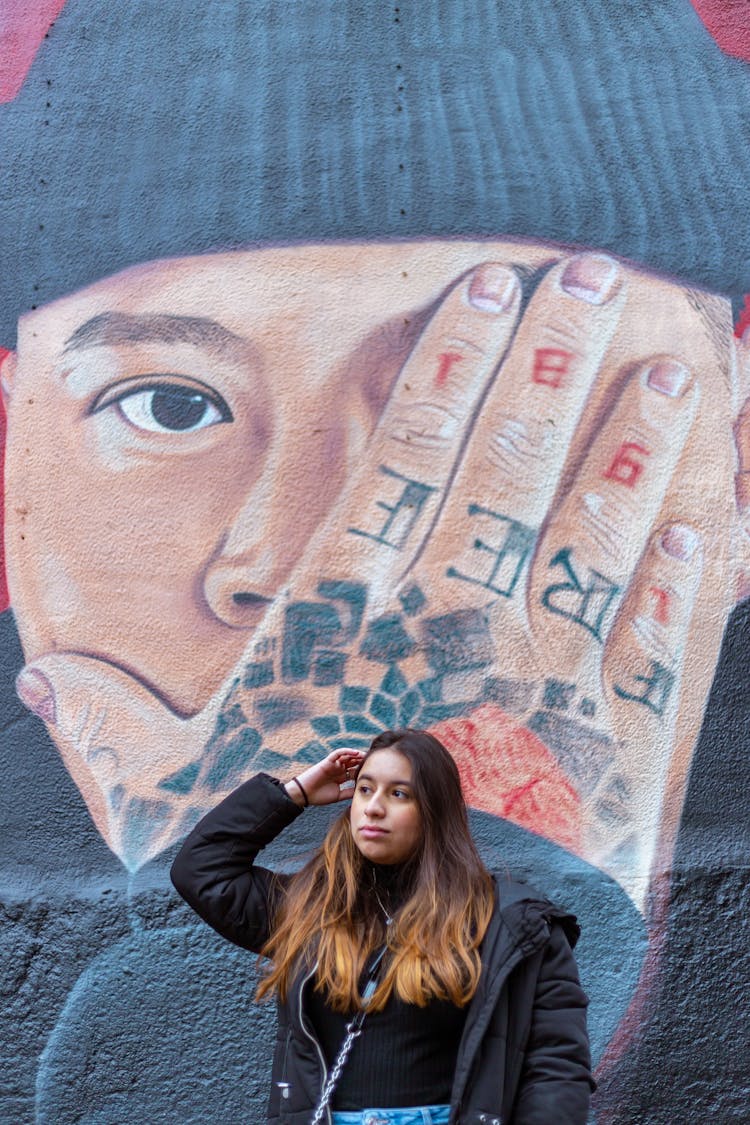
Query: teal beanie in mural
point(158, 128)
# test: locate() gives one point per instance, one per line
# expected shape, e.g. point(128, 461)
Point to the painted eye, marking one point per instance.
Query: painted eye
point(169, 408)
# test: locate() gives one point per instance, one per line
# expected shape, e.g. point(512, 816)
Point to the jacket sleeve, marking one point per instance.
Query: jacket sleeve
point(556, 1082)
point(214, 870)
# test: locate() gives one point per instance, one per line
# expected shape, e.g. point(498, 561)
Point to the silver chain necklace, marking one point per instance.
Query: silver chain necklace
point(388, 917)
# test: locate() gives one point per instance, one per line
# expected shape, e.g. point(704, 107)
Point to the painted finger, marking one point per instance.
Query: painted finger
point(643, 664)
point(644, 651)
point(122, 746)
point(590, 550)
point(410, 459)
point(520, 441)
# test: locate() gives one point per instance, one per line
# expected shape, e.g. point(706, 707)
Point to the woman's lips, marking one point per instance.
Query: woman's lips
point(373, 833)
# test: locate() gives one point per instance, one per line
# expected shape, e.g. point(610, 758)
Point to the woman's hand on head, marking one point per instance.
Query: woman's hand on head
point(322, 783)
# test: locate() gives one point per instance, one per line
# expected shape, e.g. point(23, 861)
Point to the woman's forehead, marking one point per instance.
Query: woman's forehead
point(387, 764)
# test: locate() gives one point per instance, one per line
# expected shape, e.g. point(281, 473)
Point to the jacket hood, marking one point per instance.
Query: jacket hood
point(527, 913)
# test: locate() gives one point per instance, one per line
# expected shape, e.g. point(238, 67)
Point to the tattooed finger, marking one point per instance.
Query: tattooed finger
point(644, 652)
point(592, 546)
point(411, 457)
point(520, 441)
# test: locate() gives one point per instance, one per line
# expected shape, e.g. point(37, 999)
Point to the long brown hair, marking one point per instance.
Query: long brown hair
point(327, 915)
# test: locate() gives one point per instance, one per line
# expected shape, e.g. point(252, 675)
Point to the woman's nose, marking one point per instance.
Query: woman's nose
point(374, 806)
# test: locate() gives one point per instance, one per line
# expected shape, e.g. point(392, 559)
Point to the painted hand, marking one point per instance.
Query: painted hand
point(544, 576)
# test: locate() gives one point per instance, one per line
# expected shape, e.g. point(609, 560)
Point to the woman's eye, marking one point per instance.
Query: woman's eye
point(400, 793)
point(169, 408)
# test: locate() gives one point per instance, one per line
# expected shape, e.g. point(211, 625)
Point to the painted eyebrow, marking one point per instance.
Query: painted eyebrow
point(113, 328)
point(369, 777)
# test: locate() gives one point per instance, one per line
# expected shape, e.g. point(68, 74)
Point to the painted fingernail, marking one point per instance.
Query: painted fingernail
point(590, 278)
point(668, 377)
point(493, 288)
point(680, 542)
point(36, 692)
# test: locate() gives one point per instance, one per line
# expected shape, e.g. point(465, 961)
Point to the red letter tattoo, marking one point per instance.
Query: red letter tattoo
point(661, 608)
point(550, 364)
point(625, 468)
point(445, 362)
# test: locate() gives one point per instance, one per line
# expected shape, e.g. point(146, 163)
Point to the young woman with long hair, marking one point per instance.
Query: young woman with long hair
point(413, 987)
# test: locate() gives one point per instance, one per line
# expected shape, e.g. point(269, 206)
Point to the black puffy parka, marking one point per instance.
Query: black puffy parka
point(524, 1055)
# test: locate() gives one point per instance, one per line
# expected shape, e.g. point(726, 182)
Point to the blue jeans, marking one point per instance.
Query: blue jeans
point(411, 1115)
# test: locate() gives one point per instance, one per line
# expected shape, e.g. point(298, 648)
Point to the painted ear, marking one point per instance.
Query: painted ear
point(8, 364)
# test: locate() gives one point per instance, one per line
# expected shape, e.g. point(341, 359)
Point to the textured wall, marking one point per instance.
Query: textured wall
point(370, 365)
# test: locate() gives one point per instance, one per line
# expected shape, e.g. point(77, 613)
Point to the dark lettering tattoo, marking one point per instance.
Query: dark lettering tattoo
point(585, 598)
point(508, 557)
point(402, 515)
point(655, 688)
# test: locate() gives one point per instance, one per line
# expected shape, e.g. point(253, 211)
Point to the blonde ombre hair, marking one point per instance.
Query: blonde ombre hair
point(328, 915)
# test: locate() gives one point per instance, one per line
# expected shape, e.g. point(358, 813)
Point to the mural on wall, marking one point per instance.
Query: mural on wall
point(265, 499)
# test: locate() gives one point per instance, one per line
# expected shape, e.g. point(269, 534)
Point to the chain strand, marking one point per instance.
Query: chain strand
point(351, 1034)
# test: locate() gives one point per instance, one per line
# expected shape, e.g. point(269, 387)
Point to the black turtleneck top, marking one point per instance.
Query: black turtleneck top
point(406, 1055)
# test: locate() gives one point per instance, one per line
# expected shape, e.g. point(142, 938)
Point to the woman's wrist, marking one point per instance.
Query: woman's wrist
point(295, 789)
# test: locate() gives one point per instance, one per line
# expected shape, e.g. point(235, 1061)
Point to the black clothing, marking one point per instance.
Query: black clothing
point(407, 1055)
point(411, 1052)
point(523, 1057)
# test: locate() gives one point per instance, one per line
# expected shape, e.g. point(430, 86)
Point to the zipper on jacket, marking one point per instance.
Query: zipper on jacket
point(311, 1037)
point(283, 1085)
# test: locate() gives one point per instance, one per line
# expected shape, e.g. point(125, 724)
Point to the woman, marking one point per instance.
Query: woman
point(474, 1013)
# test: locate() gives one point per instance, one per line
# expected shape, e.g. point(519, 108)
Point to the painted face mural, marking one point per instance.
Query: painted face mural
point(293, 455)
point(301, 496)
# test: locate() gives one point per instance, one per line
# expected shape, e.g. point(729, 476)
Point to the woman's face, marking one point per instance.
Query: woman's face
point(385, 818)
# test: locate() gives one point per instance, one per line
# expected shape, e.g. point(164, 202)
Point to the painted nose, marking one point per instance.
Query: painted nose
point(237, 592)
point(242, 579)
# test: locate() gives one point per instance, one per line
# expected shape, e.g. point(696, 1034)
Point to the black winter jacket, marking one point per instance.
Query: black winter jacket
point(524, 1056)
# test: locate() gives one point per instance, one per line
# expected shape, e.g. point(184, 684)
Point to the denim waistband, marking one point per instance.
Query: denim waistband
point(409, 1115)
